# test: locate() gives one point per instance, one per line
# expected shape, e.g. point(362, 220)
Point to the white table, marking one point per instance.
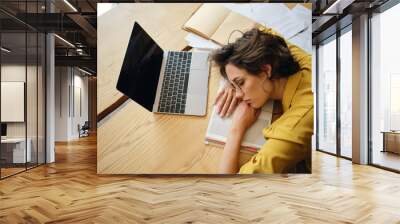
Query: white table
point(18, 151)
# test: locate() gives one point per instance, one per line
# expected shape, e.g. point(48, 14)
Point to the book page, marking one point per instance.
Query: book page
point(206, 19)
point(218, 127)
point(226, 31)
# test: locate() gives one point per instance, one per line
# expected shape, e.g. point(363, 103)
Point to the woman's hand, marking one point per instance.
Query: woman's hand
point(226, 101)
point(244, 117)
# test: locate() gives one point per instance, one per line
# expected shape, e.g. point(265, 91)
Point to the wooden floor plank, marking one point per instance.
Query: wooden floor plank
point(70, 191)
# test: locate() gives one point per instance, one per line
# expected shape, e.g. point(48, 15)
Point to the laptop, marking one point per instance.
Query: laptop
point(172, 82)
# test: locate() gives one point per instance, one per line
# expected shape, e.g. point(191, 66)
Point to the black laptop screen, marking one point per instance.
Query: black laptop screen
point(141, 68)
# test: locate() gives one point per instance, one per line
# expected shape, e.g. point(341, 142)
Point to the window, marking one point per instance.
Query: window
point(22, 66)
point(385, 89)
point(346, 93)
point(327, 96)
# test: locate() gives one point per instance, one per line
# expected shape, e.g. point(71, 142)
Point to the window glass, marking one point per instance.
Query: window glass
point(345, 94)
point(385, 89)
point(327, 97)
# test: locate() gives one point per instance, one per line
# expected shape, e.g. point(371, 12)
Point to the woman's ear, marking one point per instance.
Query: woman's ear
point(268, 70)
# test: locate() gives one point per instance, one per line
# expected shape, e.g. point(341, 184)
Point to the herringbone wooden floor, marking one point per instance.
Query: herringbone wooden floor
point(69, 191)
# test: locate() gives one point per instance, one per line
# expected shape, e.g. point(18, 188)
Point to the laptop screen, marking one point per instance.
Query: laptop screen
point(140, 70)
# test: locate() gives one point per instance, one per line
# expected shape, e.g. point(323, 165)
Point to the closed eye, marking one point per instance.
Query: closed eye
point(240, 82)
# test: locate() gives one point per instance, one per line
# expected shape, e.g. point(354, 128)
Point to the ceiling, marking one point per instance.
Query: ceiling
point(72, 20)
point(76, 20)
point(332, 15)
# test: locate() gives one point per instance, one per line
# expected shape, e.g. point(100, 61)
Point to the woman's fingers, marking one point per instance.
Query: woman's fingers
point(221, 101)
point(232, 106)
point(227, 103)
point(220, 94)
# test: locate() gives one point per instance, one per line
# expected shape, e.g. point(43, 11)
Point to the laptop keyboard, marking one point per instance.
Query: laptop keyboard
point(175, 83)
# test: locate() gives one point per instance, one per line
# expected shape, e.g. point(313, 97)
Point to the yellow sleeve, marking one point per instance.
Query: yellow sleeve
point(302, 57)
point(289, 142)
point(276, 156)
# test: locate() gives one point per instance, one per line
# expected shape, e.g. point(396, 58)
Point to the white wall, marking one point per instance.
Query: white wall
point(61, 103)
point(15, 73)
point(80, 83)
point(70, 83)
point(33, 126)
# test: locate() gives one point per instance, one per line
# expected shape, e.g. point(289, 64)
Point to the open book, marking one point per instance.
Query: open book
point(218, 129)
point(218, 23)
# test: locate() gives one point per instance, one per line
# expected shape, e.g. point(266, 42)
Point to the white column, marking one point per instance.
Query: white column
point(360, 90)
point(50, 99)
point(50, 92)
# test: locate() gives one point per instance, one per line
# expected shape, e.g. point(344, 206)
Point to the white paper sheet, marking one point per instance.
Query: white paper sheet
point(303, 39)
point(274, 15)
point(196, 41)
point(218, 127)
point(302, 12)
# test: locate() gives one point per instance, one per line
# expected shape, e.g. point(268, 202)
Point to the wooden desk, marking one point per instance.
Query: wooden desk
point(132, 140)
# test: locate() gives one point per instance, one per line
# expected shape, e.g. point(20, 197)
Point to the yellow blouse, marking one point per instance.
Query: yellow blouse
point(289, 137)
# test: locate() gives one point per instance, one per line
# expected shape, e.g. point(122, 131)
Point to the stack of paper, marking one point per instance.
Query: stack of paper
point(289, 23)
point(274, 15)
point(303, 39)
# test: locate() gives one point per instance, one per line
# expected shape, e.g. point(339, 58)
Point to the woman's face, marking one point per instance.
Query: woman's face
point(255, 90)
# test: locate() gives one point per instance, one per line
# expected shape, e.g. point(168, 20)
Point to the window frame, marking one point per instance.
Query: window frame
point(334, 37)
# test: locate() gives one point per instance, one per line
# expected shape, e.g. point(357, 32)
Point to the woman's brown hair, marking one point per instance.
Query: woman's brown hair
point(255, 49)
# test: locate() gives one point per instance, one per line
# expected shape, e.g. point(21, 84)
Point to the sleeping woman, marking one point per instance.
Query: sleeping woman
point(262, 66)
